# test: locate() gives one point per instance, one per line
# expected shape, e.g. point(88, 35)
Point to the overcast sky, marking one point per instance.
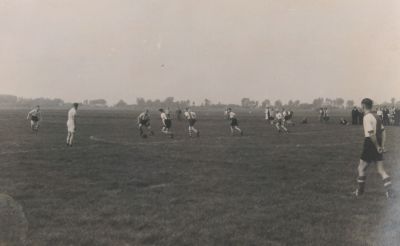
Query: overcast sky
point(194, 49)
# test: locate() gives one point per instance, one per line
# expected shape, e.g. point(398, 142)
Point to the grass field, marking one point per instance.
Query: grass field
point(264, 188)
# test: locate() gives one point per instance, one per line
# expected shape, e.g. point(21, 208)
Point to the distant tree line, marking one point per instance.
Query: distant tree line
point(170, 102)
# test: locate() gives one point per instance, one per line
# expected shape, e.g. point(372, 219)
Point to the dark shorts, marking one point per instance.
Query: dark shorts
point(35, 118)
point(370, 153)
point(168, 123)
point(234, 122)
point(279, 122)
point(145, 122)
point(192, 122)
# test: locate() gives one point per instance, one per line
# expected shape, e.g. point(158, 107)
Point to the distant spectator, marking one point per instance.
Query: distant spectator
point(354, 116)
point(386, 121)
point(360, 117)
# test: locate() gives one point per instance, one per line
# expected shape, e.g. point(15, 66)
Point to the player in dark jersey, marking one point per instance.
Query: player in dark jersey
point(143, 121)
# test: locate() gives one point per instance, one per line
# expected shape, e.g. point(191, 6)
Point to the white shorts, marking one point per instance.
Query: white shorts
point(71, 126)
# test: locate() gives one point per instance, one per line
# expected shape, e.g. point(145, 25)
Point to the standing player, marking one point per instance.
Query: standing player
point(191, 117)
point(321, 115)
point(268, 115)
point(144, 122)
point(71, 124)
point(234, 122)
point(374, 146)
point(280, 122)
point(35, 116)
point(166, 123)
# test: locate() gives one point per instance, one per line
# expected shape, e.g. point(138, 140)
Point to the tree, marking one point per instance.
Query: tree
point(265, 103)
point(317, 103)
point(339, 102)
point(140, 102)
point(207, 102)
point(329, 101)
point(169, 101)
point(350, 103)
point(121, 104)
point(8, 99)
point(98, 102)
point(393, 101)
point(278, 104)
point(245, 102)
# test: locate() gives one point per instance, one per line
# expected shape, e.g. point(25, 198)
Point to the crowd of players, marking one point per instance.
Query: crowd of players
point(373, 124)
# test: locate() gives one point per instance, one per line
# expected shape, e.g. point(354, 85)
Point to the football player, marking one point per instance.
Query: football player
point(234, 122)
point(35, 116)
point(166, 123)
point(71, 124)
point(280, 122)
point(373, 148)
point(191, 118)
point(143, 121)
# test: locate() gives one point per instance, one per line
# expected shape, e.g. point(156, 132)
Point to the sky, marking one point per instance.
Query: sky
point(222, 50)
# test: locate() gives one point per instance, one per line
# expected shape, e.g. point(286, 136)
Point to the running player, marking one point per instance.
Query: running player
point(374, 146)
point(166, 123)
point(234, 122)
point(280, 122)
point(71, 126)
point(35, 116)
point(144, 122)
point(191, 117)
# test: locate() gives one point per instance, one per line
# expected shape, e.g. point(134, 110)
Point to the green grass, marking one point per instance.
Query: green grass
point(260, 189)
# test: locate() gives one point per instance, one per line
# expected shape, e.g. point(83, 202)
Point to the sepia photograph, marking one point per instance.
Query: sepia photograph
point(199, 122)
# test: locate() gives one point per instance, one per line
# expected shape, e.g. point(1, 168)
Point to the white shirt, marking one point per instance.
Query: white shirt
point(190, 115)
point(164, 116)
point(379, 112)
point(71, 116)
point(232, 115)
point(34, 112)
point(279, 116)
point(144, 116)
point(369, 123)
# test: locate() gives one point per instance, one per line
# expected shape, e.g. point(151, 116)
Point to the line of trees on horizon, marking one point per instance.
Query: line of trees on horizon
point(170, 102)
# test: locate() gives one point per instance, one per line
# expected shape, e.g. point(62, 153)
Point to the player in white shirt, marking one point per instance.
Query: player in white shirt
point(234, 122)
point(166, 123)
point(269, 115)
point(373, 148)
point(35, 116)
point(143, 121)
point(280, 122)
point(191, 118)
point(71, 124)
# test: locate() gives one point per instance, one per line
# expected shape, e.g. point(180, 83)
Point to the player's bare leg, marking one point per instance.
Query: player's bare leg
point(166, 131)
point(362, 167)
point(150, 130)
point(141, 130)
point(70, 138)
point(193, 130)
point(239, 130)
point(284, 128)
point(278, 127)
point(386, 179)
